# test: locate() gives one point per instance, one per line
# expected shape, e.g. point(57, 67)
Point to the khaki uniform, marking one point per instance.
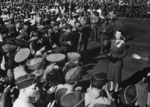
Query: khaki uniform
point(21, 102)
point(92, 101)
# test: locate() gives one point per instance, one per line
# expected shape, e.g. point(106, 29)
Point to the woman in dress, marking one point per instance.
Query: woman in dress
point(117, 53)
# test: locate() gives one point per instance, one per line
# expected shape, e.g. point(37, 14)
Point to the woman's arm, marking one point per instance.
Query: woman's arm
point(124, 53)
point(146, 59)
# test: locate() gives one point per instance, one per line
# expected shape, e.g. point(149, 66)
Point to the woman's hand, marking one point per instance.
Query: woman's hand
point(136, 56)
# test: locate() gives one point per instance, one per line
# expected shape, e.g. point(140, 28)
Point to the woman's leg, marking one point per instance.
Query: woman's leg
point(148, 99)
point(116, 88)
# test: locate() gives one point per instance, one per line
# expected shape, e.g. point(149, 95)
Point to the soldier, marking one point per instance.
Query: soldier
point(66, 40)
point(3, 34)
point(55, 36)
point(85, 34)
point(28, 90)
point(18, 28)
point(95, 93)
point(106, 35)
point(7, 64)
point(72, 77)
point(76, 36)
point(25, 32)
point(94, 26)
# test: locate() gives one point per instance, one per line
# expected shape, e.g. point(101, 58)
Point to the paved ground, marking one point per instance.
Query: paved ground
point(138, 42)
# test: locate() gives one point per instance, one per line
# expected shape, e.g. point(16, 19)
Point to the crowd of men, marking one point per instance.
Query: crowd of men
point(40, 54)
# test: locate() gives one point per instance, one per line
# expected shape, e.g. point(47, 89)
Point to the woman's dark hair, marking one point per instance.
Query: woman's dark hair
point(119, 30)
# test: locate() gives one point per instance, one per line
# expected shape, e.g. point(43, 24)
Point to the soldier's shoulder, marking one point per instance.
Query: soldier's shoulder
point(102, 102)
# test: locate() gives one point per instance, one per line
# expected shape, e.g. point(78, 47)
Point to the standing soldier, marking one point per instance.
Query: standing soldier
point(85, 34)
point(94, 26)
point(106, 35)
point(66, 40)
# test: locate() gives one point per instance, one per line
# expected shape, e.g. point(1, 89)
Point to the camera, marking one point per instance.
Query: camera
point(4, 84)
point(48, 85)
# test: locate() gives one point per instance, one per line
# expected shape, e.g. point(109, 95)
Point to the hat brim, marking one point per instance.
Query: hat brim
point(22, 55)
point(123, 97)
point(25, 81)
point(79, 101)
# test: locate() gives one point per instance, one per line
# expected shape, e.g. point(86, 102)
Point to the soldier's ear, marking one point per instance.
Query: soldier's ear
point(23, 90)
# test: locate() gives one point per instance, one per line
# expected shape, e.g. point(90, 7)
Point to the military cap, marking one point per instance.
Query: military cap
point(35, 63)
point(22, 78)
point(22, 55)
point(74, 99)
point(9, 46)
point(55, 58)
point(73, 75)
point(99, 79)
point(128, 95)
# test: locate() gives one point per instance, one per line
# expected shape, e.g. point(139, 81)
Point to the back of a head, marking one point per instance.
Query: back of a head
point(73, 75)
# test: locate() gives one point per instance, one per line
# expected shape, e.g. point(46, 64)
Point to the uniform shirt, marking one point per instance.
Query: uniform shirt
point(22, 102)
point(64, 38)
point(109, 30)
point(92, 101)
